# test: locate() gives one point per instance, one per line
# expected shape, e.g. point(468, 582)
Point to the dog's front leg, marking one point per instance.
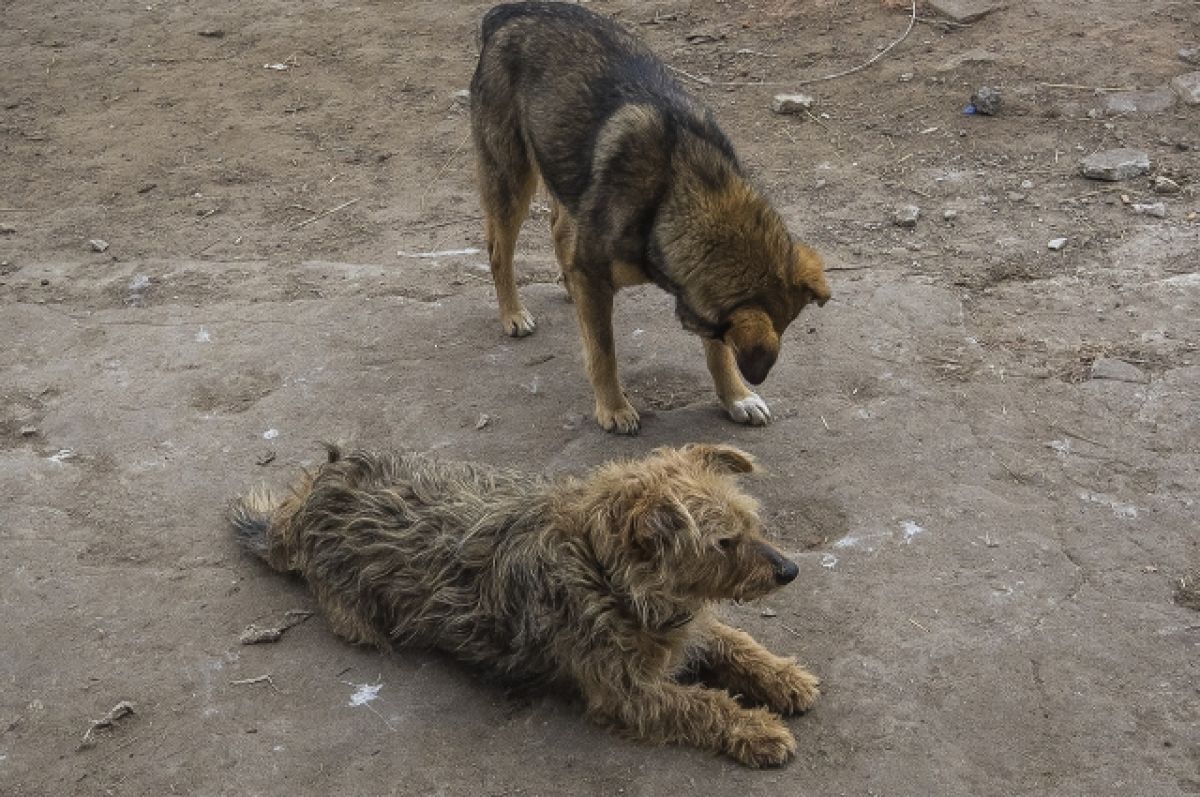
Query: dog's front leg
point(745, 667)
point(742, 404)
point(594, 307)
point(666, 712)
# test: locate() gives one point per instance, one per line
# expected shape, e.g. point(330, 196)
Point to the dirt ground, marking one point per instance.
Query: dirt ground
point(998, 546)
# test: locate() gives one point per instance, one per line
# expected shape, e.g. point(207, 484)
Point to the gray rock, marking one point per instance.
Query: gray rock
point(1115, 164)
point(1142, 102)
point(969, 57)
point(98, 245)
point(986, 100)
point(949, 214)
point(463, 96)
point(964, 10)
point(7, 230)
point(1165, 185)
point(29, 431)
point(791, 103)
point(1190, 55)
point(906, 216)
point(1156, 209)
point(1187, 87)
point(1117, 371)
point(1056, 244)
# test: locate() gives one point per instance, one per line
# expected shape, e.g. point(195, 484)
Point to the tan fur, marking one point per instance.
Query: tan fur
point(602, 585)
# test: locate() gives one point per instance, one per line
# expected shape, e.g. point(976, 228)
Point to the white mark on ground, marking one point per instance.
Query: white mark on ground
point(203, 337)
point(61, 456)
point(829, 561)
point(278, 748)
point(911, 530)
point(140, 282)
point(637, 333)
point(1063, 447)
point(364, 694)
point(444, 253)
point(270, 434)
point(1119, 508)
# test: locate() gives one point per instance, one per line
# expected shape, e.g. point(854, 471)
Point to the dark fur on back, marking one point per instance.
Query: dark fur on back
point(602, 585)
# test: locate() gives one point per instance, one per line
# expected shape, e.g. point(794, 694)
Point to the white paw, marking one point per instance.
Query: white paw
point(752, 410)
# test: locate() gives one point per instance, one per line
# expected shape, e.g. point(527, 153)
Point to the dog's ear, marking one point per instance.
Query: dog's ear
point(721, 458)
point(654, 519)
point(809, 274)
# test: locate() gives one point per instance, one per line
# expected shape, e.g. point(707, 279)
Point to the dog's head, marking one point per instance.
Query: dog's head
point(685, 532)
point(754, 328)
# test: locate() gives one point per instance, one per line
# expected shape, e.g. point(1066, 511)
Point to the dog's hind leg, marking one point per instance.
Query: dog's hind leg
point(594, 308)
point(743, 666)
point(742, 404)
point(562, 227)
point(507, 179)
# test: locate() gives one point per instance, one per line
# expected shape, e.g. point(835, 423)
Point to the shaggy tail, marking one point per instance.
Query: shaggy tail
point(250, 518)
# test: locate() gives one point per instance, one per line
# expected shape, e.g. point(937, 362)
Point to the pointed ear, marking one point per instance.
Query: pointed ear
point(721, 458)
point(810, 274)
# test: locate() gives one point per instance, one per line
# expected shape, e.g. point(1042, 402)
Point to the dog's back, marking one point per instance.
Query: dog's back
point(403, 548)
point(554, 73)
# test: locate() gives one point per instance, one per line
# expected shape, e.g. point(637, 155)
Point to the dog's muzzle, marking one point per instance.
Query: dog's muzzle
point(785, 569)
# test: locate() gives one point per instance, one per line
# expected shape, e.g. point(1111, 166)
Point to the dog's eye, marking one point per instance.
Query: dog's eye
point(726, 543)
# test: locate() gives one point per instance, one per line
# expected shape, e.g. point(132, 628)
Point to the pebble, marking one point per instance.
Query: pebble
point(463, 96)
point(1165, 185)
point(1190, 55)
point(768, 613)
point(1015, 196)
point(906, 216)
point(1026, 184)
point(986, 100)
point(7, 230)
point(1156, 209)
point(950, 214)
point(1187, 87)
point(1116, 371)
point(964, 11)
point(1056, 244)
point(1145, 102)
point(483, 421)
point(98, 245)
point(1114, 165)
point(28, 431)
point(211, 33)
point(792, 103)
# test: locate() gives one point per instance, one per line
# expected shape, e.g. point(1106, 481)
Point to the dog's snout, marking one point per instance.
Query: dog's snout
point(786, 572)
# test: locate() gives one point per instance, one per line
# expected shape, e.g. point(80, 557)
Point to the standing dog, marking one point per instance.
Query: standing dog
point(603, 585)
point(644, 187)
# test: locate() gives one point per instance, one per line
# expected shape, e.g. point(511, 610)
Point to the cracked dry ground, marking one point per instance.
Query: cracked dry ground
point(998, 551)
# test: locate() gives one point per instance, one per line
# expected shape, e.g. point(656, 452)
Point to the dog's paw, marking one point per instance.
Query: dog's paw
point(518, 324)
point(623, 420)
point(793, 690)
point(760, 739)
point(751, 410)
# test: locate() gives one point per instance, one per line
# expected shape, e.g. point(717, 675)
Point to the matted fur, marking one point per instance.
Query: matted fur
point(602, 585)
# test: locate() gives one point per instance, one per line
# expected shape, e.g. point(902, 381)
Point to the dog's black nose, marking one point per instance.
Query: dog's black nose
point(786, 572)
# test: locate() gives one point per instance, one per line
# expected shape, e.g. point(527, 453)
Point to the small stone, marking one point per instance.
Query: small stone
point(986, 100)
point(973, 57)
point(98, 245)
point(1156, 209)
point(964, 11)
point(768, 613)
point(1026, 184)
point(1114, 165)
point(211, 33)
point(1190, 55)
point(483, 421)
point(792, 103)
point(950, 214)
point(1165, 185)
point(7, 230)
point(463, 96)
point(1116, 371)
point(906, 216)
point(1143, 102)
point(573, 421)
point(906, 77)
point(1015, 196)
point(28, 431)
point(1187, 87)
point(1056, 244)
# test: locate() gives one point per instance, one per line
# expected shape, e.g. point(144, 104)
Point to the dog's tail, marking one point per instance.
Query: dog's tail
point(250, 519)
